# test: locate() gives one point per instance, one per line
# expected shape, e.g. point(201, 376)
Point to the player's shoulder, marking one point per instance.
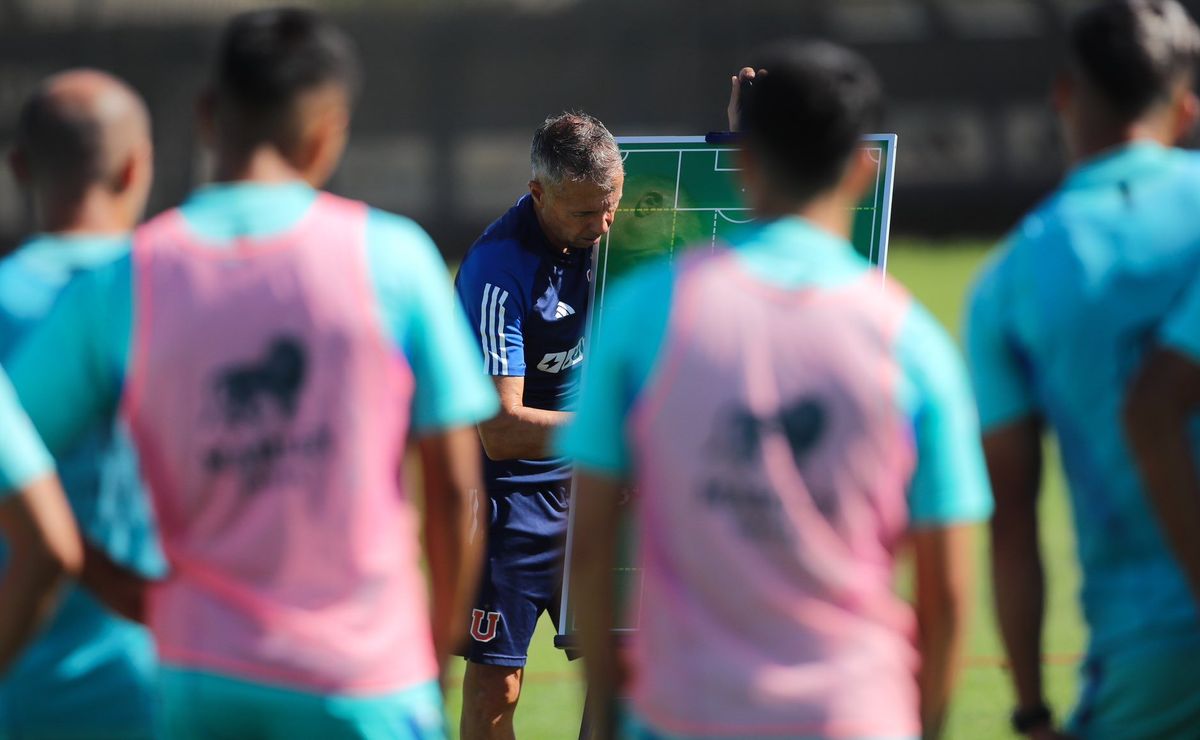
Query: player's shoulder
point(41, 268)
point(399, 245)
point(500, 258)
point(396, 231)
point(1185, 163)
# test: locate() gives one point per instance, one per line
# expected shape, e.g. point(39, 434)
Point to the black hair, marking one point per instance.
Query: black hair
point(805, 116)
point(268, 59)
point(1133, 53)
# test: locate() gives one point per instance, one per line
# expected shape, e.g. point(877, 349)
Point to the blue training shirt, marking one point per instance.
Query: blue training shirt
point(88, 669)
point(1059, 323)
point(529, 303)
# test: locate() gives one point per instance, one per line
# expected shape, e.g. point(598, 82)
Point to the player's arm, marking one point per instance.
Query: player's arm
point(1012, 444)
point(948, 493)
point(944, 573)
point(593, 588)
point(518, 431)
point(596, 440)
point(1165, 395)
point(450, 397)
point(44, 552)
point(37, 525)
point(454, 531)
point(492, 300)
point(120, 588)
point(1014, 461)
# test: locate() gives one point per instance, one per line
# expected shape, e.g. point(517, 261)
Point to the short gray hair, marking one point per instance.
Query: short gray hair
point(574, 147)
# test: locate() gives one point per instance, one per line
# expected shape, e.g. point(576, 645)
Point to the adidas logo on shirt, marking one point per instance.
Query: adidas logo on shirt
point(563, 311)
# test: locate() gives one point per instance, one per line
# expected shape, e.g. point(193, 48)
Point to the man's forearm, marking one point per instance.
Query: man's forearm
point(1019, 592)
point(121, 589)
point(454, 533)
point(944, 574)
point(45, 550)
point(596, 606)
point(28, 593)
point(594, 588)
point(521, 432)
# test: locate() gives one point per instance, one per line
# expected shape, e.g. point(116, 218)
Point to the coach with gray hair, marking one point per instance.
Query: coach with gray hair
point(525, 285)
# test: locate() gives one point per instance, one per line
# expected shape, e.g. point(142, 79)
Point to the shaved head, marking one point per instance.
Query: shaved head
point(79, 130)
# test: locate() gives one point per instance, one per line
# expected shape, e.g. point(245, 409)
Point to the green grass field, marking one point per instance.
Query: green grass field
point(939, 277)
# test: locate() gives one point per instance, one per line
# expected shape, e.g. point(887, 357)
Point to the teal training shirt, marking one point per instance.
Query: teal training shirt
point(1059, 323)
point(950, 482)
point(89, 673)
point(1181, 330)
point(23, 458)
point(72, 370)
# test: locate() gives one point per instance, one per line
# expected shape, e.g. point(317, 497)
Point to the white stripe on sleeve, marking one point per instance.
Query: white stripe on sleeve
point(492, 343)
point(503, 339)
point(483, 333)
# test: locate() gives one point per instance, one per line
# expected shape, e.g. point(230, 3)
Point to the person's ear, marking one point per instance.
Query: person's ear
point(323, 144)
point(126, 176)
point(1187, 112)
point(18, 162)
point(538, 193)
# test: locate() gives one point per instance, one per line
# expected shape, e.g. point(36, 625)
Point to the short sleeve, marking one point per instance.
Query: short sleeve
point(950, 483)
point(23, 457)
point(428, 326)
point(616, 370)
point(999, 373)
point(491, 297)
point(69, 370)
point(1181, 330)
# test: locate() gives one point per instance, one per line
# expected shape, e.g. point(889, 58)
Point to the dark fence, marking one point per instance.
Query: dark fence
point(452, 95)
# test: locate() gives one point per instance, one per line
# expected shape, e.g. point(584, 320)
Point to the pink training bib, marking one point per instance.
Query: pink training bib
point(270, 412)
point(772, 467)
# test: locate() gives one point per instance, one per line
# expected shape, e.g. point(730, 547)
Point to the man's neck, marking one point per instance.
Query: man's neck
point(1091, 144)
point(96, 213)
point(829, 213)
point(263, 164)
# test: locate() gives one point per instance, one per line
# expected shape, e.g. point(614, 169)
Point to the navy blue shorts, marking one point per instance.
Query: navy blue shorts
point(522, 576)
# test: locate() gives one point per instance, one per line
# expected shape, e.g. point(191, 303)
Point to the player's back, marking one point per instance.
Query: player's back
point(88, 667)
point(270, 407)
point(1077, 296)
point(774, 447)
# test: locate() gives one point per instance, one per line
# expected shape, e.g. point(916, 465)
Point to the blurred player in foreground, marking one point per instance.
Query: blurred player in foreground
point(526, 283)
point(36, 523)
point(790, 421)
point(1058, 324)
point(271, 346)
point(83, 153)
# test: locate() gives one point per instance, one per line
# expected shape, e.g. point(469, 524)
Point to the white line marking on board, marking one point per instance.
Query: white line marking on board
point(721, 213)
point(717, 162)
point(678, 178)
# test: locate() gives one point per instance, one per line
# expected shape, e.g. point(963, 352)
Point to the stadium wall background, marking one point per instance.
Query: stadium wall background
point(455, 88)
